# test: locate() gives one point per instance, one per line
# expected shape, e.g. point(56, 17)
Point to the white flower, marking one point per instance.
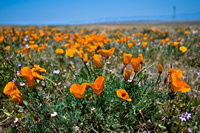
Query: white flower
point(54, 114)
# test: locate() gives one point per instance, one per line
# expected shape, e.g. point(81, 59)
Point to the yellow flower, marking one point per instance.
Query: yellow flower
point(123, 95)
point(183, 49)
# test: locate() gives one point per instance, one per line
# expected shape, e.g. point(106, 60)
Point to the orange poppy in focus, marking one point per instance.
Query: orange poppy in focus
point(97, 60)
point(177, 85)
point(140, 56)
point(126, 58)
point(78, 90)
point(10, 86)
point(59, 51)
point(98, 85)
point(12, 90)
point(135, 62)
point(123, 95)
point(127, 74)
point(15, 97)
point(160, 68)
point(106, 53)
point(37, 76)
point(27, 74)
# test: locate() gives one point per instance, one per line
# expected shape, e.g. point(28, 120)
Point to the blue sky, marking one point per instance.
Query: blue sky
point(42, 12)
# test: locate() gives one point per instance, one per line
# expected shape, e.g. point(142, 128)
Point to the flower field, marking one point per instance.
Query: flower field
point(100, 78)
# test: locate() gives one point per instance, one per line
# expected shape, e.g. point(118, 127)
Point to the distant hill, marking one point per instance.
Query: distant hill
point(180, 18)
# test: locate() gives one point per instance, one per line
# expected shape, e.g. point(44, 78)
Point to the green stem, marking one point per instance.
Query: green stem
point(49, 80)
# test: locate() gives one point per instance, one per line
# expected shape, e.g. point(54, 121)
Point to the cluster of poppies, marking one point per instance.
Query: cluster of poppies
point(29, 75)
point(79, 90)
point(135, 62)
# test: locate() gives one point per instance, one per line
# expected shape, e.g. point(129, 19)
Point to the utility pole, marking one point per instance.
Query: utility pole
point(174, 13)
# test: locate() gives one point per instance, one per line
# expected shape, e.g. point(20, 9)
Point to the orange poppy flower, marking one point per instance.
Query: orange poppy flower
point(37, 76)
point(15, 97)
point(80, 53)
point(144, 44)
point(177, 85)
point(59, 51)
point(10, 86)
point(27, 74)
point(133, 42)
point(176, 44)
point(161, 42)
point(97, 60)
point(85, 58)
point(127, 74)
point(38, 69)
point(7, 47)
point(98, 85)
point(25, 50)
point(160, 68)
point(135, 62)
point(106, 53)
point(178, 72)
point(71, 52)
point(130, 45)
point(126, 58)
point(123, 95)
point(78, 90)
point(183, 49)
point(140, 56)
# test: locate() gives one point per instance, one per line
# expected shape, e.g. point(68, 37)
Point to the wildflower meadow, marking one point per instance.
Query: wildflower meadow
point(100, 78)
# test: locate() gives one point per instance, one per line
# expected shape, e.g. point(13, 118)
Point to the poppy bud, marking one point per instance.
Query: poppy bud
point(160, 68)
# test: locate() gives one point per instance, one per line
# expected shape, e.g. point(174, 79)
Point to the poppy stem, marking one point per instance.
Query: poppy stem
point(88, 70)
point(49, 80)
point(134, 77)
point(122, 71)
point(158, 79)
point(104, 68)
